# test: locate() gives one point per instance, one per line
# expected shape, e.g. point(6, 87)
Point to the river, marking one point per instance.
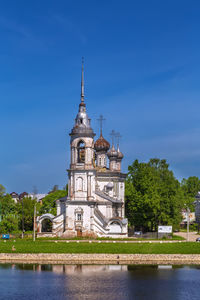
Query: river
point(110, 282)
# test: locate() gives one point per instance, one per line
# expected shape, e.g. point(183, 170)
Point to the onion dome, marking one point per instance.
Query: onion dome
point(101, 144)
point(119, 154)
point(112, 153)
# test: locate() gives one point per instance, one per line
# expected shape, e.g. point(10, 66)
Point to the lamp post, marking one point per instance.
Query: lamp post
point(22, 217)
point(188, 223)
point(34, 216)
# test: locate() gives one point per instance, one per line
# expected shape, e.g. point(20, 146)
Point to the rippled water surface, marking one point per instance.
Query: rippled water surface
point(99, 282)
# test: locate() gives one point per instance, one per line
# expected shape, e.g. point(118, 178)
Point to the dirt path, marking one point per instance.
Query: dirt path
point(192, 235)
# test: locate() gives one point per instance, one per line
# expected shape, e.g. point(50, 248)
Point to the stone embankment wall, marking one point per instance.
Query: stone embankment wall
point(54, 258)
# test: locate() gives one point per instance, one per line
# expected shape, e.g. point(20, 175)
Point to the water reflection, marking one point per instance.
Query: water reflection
point(34, 281)
point(67, 269)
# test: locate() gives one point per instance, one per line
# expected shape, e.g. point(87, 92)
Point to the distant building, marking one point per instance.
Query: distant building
point(18, 197)
point(192, 217)
point(38, 197)
point(14, 196)
point(23, 195)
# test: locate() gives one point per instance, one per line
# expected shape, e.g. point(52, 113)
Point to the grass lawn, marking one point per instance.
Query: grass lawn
point(85, 247)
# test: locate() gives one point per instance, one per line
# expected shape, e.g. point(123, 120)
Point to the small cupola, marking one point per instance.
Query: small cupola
point(119, 155)
point(112, 153)
point(101, 147)
point(101, 144)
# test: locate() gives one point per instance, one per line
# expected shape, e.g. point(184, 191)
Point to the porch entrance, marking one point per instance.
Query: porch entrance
point(79, 232)
point(46, 225)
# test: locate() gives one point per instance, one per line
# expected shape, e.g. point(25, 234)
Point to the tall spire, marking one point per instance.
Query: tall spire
point(82, 82)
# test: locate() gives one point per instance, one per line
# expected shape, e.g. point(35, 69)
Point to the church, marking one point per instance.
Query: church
point(95, 202)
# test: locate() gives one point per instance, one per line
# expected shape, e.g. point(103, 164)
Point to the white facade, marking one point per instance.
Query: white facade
point(95, 202)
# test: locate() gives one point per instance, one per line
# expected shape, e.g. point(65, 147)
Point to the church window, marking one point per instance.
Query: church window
point(81, 152)
point(99, 160)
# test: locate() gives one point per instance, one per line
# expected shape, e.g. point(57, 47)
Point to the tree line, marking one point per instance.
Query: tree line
point(153, 197)
point(16, 216)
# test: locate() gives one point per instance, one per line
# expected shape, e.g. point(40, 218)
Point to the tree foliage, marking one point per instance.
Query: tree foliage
point(7, 206)
point(9, 224)
point(8, 214)
point(153, 195)
point(49, 202)
point(190, 187)
point(27, 210)
point(2, 190)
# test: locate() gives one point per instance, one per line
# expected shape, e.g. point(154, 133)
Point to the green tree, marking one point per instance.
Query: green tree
point(153, 195)
point(28, 207)
point(49, 202)
point(9, 224)
point(2, 190)
point(7, 211)
point(190, 187)
point(7, 206)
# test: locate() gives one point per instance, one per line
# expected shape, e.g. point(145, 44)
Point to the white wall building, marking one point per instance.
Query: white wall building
point(38, 197)
point(95, 202)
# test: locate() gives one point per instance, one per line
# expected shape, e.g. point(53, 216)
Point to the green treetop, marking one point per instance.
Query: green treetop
point(153, 195)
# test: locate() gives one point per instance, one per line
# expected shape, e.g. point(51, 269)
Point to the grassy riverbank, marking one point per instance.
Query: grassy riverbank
point(113, 248)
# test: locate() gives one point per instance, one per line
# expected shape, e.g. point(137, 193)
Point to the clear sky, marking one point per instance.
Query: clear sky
point(142, 72)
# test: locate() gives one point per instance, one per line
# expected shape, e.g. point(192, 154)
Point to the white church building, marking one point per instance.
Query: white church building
point(95, 202)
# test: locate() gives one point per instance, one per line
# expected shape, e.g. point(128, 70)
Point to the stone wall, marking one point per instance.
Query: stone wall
point(54, 258)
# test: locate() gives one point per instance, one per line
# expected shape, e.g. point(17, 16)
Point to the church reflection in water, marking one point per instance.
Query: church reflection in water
point(70, 269)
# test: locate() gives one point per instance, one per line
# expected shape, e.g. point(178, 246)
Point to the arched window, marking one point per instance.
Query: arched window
point(81, 152)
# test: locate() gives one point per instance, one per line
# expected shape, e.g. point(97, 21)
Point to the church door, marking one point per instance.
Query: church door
point(79, 232)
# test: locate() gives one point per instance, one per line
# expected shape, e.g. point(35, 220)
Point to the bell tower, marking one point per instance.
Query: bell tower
point(81, 171)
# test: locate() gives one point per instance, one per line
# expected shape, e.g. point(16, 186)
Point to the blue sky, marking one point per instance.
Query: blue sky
point(142, 72)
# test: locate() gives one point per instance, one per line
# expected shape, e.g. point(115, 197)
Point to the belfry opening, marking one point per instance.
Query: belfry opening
point(81, 152)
